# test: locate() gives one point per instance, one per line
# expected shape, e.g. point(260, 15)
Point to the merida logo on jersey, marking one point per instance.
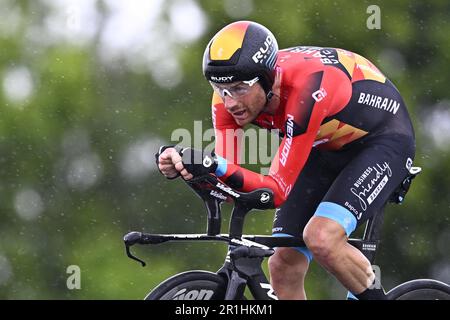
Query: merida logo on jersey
point(389, 105)
point(227, 190)
point(260, 54)
point(287, 144)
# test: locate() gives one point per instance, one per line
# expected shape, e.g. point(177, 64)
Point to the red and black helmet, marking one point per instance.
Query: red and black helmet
point(241, 51)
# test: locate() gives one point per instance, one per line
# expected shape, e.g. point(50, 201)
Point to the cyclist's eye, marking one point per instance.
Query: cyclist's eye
point(240, 89)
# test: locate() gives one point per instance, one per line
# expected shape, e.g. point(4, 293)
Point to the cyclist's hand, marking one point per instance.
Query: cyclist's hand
point(170, 164)
point(165, 164)
point(173, 161)
point(179, 166)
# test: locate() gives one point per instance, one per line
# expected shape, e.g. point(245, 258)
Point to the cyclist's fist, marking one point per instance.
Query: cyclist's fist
point(166, 165)
point(173, 161)
point(170, 163)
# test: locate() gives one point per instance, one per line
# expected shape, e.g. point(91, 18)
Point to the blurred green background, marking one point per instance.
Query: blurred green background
point(90, 89)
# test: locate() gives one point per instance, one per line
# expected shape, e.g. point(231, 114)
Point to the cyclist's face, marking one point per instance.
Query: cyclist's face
point(242, 100)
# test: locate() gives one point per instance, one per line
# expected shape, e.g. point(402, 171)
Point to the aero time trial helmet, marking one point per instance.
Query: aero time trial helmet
point(241, 51)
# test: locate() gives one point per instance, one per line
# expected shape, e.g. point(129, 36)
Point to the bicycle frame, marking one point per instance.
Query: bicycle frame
point(246, 272)
point(242, 266)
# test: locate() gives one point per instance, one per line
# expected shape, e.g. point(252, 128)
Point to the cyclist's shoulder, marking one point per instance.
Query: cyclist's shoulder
point(326, 55)
point(304, 58)
point(353, 65)
point(297, 63)
point(316, 74)
point(310, 55)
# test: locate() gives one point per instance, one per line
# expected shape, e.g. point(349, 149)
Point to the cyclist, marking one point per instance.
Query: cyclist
point(347, 143)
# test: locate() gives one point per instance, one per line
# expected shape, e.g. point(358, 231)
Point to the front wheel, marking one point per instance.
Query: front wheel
point(420, 289)
point(190, 285)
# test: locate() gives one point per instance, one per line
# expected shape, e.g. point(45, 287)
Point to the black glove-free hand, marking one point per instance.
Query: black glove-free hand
point(160, 151)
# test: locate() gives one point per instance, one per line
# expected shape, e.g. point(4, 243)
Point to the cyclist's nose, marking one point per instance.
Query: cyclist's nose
point(229, 102)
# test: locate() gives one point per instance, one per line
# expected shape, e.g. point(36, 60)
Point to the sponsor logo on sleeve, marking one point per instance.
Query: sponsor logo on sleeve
point(288, 143)
point(319, 94)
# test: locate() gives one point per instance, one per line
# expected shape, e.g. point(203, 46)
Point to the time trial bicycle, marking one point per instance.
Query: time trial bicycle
point(242, 266)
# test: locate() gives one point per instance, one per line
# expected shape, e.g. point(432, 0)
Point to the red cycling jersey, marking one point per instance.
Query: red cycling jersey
point(317, 84)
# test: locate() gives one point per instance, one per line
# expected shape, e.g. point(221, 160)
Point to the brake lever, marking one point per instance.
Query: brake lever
point(130, 239)
point(131, 256)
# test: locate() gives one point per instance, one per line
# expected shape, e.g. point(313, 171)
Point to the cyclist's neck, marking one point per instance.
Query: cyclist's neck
point(272, 105)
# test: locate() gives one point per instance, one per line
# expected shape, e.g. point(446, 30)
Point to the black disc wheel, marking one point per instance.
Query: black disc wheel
point(190, 285)
point(420, 289)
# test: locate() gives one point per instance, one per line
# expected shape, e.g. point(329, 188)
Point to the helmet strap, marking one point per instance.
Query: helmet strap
point(269, 96)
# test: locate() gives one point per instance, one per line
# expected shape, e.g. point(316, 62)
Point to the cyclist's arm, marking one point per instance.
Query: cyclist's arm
point(304, 115)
